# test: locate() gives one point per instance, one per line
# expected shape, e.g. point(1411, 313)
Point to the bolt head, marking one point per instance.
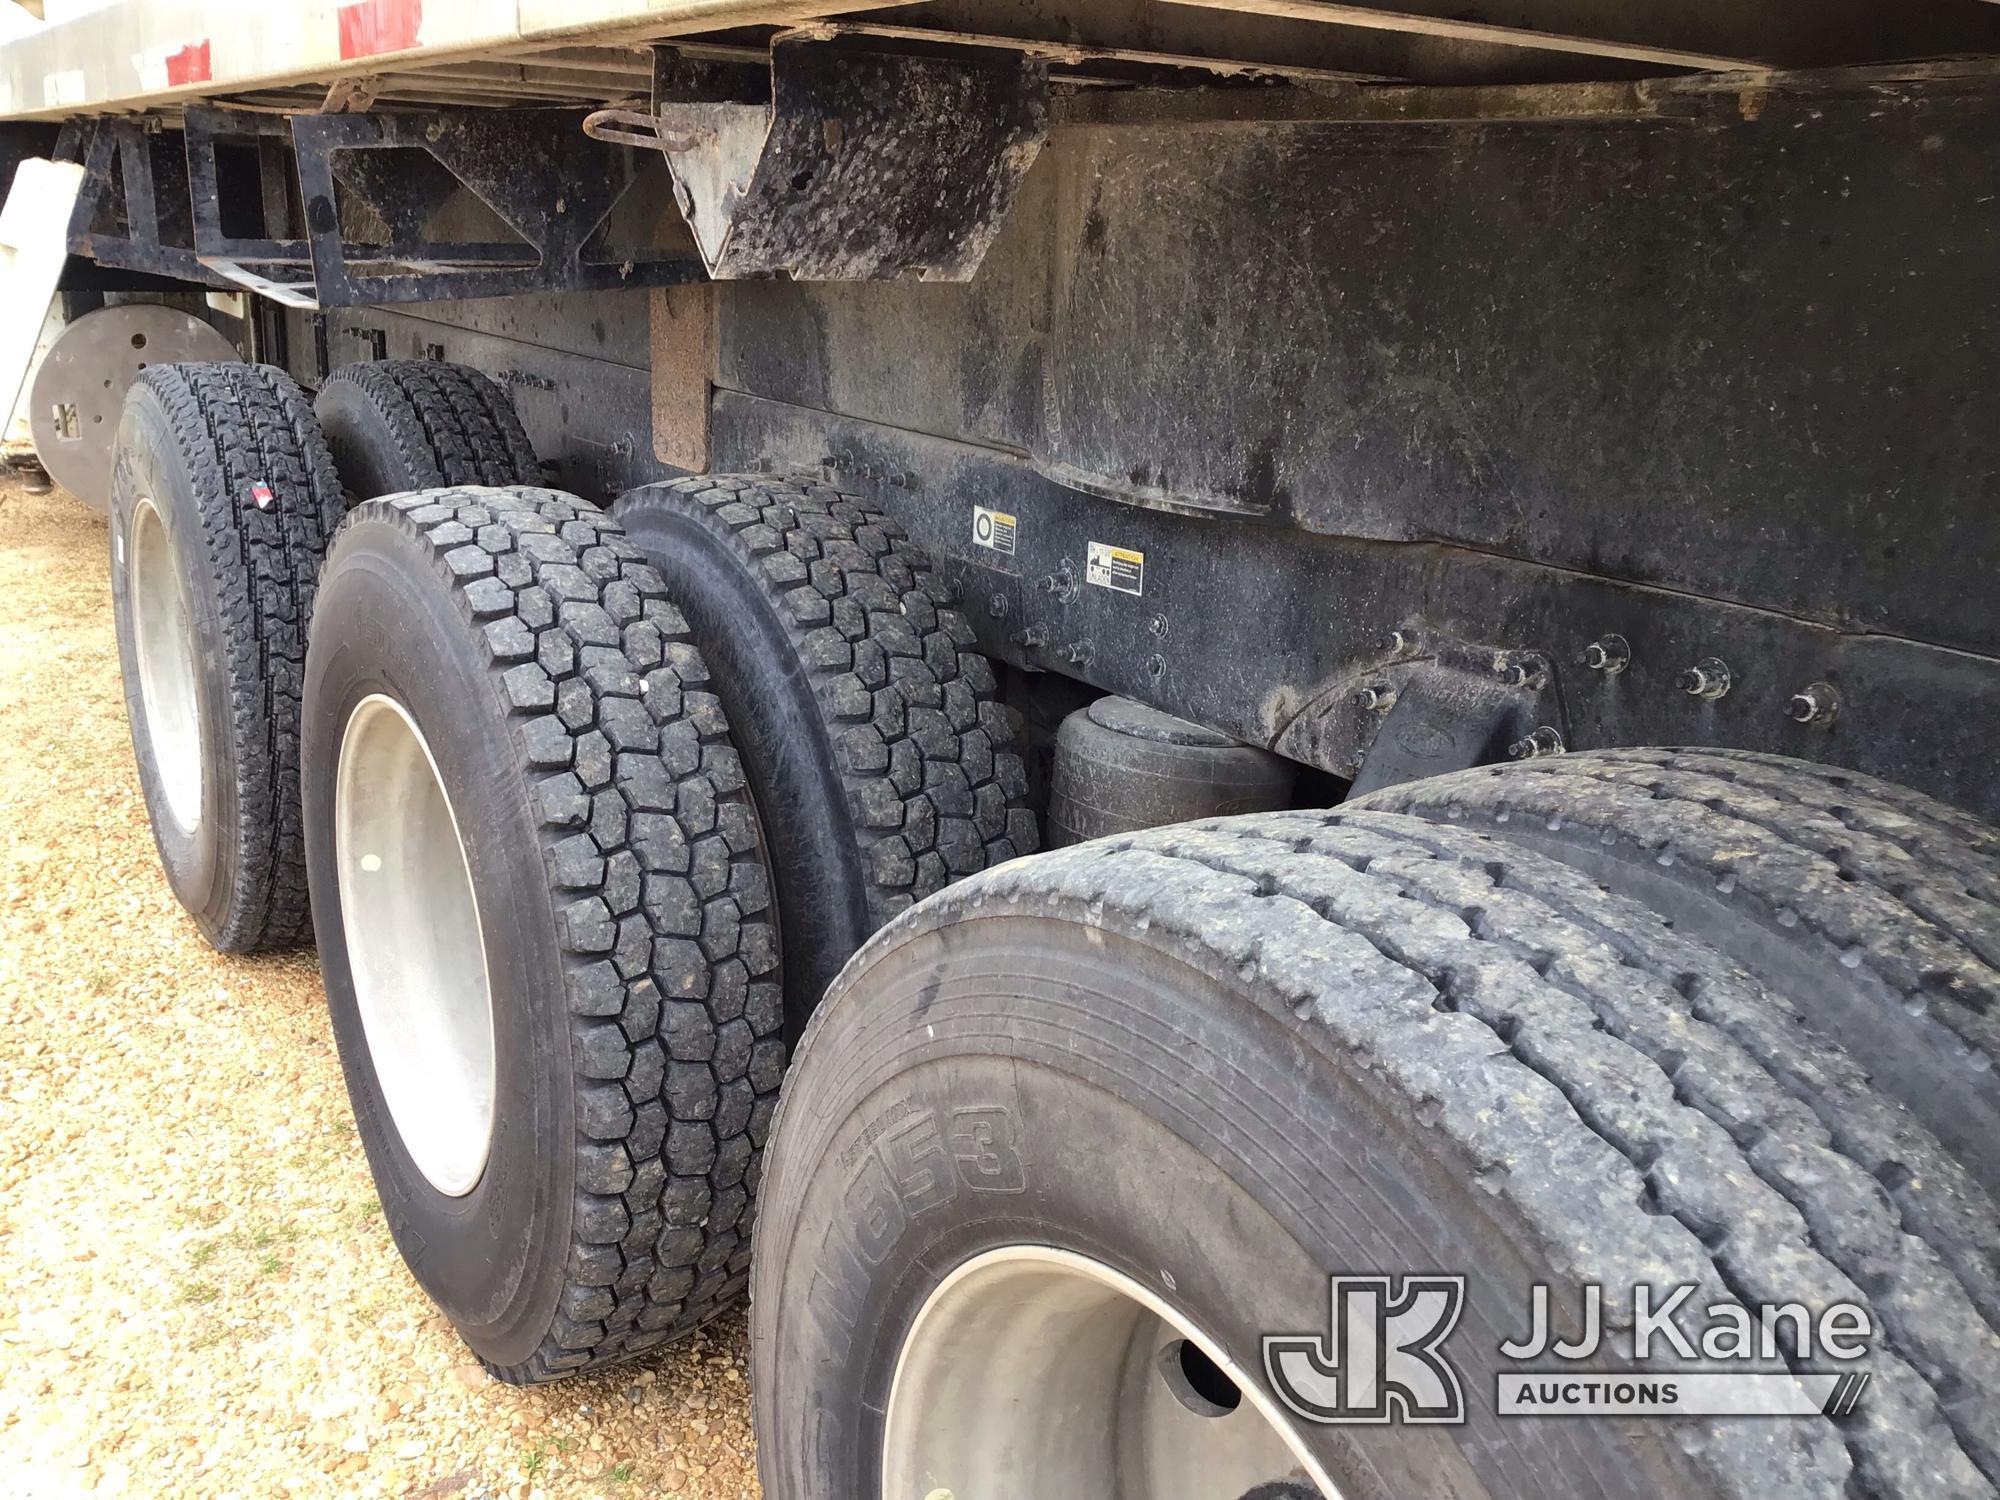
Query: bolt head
point(1707, 678)
point(1815, 703)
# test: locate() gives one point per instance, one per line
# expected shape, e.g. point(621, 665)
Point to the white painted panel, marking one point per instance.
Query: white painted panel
point(34, 237)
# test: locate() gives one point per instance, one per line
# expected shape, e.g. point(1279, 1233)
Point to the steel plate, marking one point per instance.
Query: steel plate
point(74, 402)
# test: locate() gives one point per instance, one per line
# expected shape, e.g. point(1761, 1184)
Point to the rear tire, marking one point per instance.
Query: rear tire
point(223, 496)
point(871, 729)
point(418, 424)
point(619, 901)
point(1875, 907)
point(1226, 1060)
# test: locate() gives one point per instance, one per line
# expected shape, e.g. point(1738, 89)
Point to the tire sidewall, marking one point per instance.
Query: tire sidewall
point(1125, 1153)
point(494, 1258)
point(365, 452)
point(200, 864)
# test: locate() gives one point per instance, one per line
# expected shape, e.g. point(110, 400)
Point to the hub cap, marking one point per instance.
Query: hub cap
point(414, 944)
point(163, 641)
point(1038, 1372)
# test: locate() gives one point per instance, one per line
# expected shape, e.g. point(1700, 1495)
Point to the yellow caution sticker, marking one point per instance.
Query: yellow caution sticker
point(1118, 568)
point(993, 528)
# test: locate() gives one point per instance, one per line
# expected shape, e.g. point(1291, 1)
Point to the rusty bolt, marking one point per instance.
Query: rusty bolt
point(1609, 654)
point(1815, 703)
point(1546, 740)
point(1707, 678)
point(1529, 671)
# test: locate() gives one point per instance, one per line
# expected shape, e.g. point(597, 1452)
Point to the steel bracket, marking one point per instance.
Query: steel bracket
point(540, 178)
point(133, 209)
point(1421, 703)
point(852, 165)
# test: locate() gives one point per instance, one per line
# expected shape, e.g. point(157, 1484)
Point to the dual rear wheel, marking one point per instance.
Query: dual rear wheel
point(541, 866)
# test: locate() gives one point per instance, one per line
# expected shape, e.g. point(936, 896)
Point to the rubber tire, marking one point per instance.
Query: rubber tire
point(1877, 903)
point(417, 424)
point(201, 440)
point(1232, 1058)
point(622, 893)
point(871, 731)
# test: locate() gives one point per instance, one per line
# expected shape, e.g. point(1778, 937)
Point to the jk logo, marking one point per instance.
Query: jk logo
point(1379, 1360)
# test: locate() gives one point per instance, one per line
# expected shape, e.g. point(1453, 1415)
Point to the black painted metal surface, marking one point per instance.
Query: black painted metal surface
point(1744, 355)
point(1272, 634)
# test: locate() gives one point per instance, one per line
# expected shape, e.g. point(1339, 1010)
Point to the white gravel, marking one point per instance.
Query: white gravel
point(200, 1297)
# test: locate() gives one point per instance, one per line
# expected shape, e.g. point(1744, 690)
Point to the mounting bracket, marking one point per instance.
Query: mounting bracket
point(843, 165)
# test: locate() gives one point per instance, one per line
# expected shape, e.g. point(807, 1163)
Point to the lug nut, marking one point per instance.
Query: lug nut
point(1610, 654)
point(1547, 740)
point(1707, 678)
point(1815, 703)
point(1376, 699)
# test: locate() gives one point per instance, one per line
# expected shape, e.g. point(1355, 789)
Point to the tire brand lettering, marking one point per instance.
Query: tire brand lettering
point(919, 1162)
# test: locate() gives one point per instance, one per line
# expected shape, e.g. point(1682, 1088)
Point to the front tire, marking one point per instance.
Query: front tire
point(1230, 1059)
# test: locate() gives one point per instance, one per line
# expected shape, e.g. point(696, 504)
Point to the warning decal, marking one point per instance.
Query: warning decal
point(993, 528)
point(1117, 568)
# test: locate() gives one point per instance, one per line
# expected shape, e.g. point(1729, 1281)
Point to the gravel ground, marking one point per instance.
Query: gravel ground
point(200, 1296)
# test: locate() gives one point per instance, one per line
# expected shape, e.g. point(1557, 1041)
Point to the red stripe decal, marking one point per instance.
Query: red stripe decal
point(189, 65)
point(368, 27)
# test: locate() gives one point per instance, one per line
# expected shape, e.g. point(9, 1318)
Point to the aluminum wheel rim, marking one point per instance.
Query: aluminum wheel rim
point(1032, 1371)
point(414, 944)
point(163, 641)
